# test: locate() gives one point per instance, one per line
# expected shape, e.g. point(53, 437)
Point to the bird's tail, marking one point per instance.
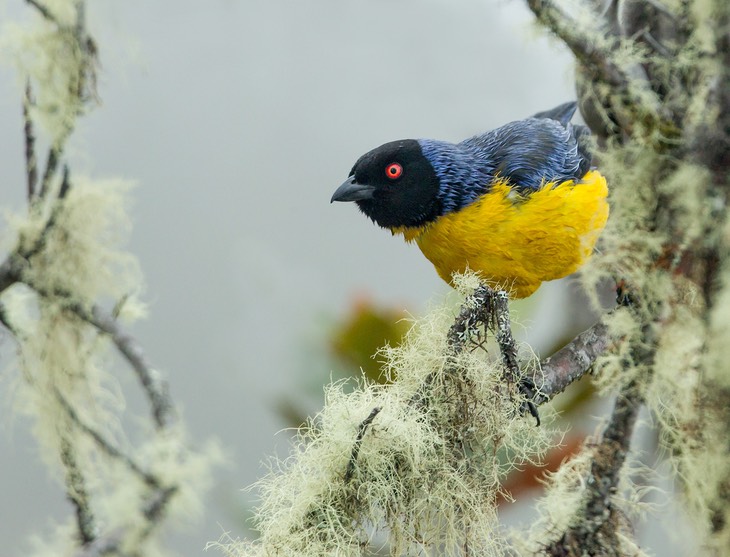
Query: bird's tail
point(562, 113)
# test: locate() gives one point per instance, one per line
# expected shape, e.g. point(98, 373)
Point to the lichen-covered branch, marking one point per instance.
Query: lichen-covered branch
point(599, 522)
point(486, 310)
point(31, 164)
point(595, 47)
point(51, 286)
point(105, 445)
point(362, 428)
point(77, 493)
point(653, 86)
point(155, 386)
point(585, 42)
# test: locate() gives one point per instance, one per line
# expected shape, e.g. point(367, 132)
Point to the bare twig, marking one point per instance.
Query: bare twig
point(570, 363)
point(358, 442)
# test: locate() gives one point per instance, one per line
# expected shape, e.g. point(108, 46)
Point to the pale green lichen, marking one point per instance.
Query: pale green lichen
point(428, 470)
point(58, 61)
point(65, 362)
point(90, 226)
point(72, 266)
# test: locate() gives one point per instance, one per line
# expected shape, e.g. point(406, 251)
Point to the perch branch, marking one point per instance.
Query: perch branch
point(571, 362)
point(488, 308)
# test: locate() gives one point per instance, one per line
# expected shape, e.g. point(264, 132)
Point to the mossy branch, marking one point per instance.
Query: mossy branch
point(51, 282)
point(77, 492)
point(599, 521)
point(596, 47)
point(487, 310)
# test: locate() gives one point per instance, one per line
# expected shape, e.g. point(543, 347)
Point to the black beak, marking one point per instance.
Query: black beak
point(352, 191)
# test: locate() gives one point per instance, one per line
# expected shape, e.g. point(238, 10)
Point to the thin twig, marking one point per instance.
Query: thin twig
point(102, 546)
point(31, 164)
point(362, 428)
point(65, 183)
point(104, 445)
point(77, 494)
point(155, 386)
point(10, 271)
point(54, 154)
point(43, 10)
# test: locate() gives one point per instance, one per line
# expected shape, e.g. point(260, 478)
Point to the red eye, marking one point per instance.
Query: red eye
point(393, 170)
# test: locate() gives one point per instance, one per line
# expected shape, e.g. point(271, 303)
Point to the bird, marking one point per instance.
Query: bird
point(518, 205)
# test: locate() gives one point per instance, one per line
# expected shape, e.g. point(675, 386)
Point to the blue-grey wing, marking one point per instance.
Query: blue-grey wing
point(536, 150)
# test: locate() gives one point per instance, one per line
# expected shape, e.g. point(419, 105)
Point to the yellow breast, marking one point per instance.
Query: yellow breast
point(517, 242)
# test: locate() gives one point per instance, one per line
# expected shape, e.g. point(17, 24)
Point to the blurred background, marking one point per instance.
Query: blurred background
point(237, 119)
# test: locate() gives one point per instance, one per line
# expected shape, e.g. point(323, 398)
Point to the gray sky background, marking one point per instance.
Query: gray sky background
point(237, 120)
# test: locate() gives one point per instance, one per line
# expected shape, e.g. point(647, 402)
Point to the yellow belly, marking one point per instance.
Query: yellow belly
point(515, 242)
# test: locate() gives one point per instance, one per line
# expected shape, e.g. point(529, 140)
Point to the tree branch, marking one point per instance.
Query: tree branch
point(578, 39)
point(599, 521)
point(571, 362)
point(156, 388)
point(31, 164)
point(358, 442)
point(77, 494)
point(594, 48)
point(154, 384)
point(488, 309)
point(105, 446)
point(43, 10)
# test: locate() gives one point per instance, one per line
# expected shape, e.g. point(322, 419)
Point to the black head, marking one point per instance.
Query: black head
point(394, 185)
